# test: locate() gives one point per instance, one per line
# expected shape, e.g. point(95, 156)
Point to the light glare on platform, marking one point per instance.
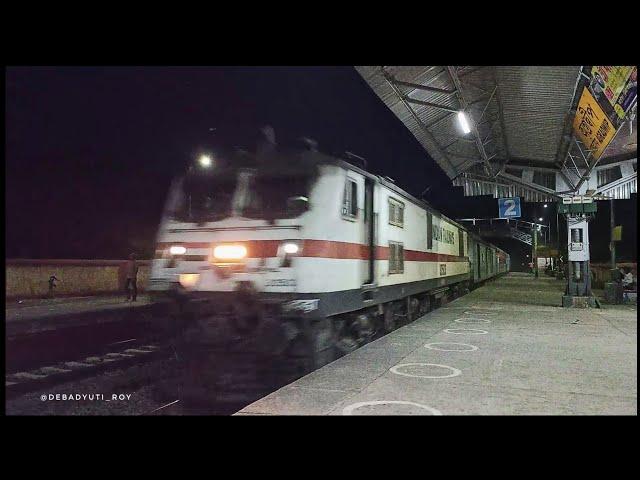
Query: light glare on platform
point(177, 250)
point(188, 280)
point(464, 124)
point(205, 161)
point(230, 252)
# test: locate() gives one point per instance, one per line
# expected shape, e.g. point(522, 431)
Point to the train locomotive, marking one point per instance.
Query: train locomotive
point(310, 245)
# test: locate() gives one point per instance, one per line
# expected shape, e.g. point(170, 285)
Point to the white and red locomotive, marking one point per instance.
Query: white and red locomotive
point(313, 242)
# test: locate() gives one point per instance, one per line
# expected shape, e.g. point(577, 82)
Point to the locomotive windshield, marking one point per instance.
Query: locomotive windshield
point(280, 187)
point(256, 188)
point(205, 198)
point(273, 196)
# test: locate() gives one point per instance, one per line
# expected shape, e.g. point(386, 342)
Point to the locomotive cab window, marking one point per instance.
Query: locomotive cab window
point(350, 199)
point(396, 212)
point(396, 258)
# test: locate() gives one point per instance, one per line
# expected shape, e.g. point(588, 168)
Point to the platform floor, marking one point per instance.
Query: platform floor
point(507, 348)
point(32, 315)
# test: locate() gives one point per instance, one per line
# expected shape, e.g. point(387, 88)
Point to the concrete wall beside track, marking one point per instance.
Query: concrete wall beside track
point(27, 278)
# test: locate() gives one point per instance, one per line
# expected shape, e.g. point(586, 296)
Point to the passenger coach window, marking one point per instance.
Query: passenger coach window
point(396, 258)
point(429, 231)
point(396, 212)
point(350, 199)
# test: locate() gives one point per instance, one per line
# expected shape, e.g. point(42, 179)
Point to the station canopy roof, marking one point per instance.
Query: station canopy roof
point(523, 140)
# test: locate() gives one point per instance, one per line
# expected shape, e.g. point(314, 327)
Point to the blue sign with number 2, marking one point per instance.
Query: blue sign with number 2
point(509, 207)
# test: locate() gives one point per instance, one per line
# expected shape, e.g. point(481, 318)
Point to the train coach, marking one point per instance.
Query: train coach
point(310, 244)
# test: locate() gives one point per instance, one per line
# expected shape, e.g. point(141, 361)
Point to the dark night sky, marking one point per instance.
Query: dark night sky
point(90, 151)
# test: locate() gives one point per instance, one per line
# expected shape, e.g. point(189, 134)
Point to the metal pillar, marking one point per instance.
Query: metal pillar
point(579, 279)
point(534, 249)
point(557, 230)
point(612, 246)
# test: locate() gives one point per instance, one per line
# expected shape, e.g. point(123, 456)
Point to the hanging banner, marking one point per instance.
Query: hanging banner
point(609, 81)
point(591, 125)
point(614, 88)
point(627, 95)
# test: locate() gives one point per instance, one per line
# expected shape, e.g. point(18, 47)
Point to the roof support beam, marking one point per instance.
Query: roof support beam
point(586, 162)
point(464, 74)
point(427, 88)
point(436, 122)
point(461, 155)
point(574, 164)
point(475, 85)
point(503, 130)
point(567, 180)
point(389, 79)
point(592, 164)
point(615, 183)
point(567, 134)
point(430, 104)
point(534, 168)
point(456, 81)
point(468, 164)
point(529, 185)
point(486, 105)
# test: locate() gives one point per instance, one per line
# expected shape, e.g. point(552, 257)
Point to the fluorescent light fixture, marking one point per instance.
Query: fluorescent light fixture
point(545, 205)
point(177, 250)
point(540, 219)
point(464, 124)
point(205, 161)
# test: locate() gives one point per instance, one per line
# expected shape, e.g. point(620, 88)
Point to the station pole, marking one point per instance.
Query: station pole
point(534, 254)
point(557, 229)
point(612, 246)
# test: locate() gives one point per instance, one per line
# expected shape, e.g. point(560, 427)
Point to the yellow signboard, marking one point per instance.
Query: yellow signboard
point(617, 233)
point(591, 125)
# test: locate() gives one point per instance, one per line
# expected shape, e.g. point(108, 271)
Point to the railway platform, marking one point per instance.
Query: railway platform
point(507, 348)
point(37, 315)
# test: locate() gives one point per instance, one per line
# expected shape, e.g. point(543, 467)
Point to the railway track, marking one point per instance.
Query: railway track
point(218, 379)
point(21, 382)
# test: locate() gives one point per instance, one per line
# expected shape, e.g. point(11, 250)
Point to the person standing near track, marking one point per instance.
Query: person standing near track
point(52, 285)
point(131, 272)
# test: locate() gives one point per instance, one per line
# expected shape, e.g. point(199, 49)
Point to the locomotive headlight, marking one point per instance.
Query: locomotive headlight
point(188, 280)
point(290, 248)
point(177, 250)
point(230, 252)
point(287, 251)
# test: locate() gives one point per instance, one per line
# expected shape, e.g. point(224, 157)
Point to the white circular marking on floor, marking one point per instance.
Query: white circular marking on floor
point(432, 346)
point(348, 410)
point(460, 331)
point(454, 371)
point(472, 320)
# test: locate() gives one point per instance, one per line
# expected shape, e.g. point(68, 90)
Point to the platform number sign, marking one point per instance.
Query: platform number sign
point(509, 207)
